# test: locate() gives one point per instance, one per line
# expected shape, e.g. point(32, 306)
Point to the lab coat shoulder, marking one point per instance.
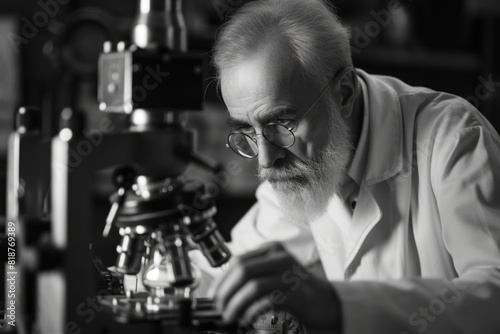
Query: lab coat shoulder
point(453, 175)
point(465, 176)
point(459, 151)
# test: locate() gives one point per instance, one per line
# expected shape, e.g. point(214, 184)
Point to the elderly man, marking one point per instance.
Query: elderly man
point(393, 190)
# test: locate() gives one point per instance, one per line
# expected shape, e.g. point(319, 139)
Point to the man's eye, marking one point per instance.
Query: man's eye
point(285, 122)
point(245, 129)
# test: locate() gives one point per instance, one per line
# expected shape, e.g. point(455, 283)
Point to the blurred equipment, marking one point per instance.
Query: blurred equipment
point(28, 218)
point(156, 211)
point(158, 214)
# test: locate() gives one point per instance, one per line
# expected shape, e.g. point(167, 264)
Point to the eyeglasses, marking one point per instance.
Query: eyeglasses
point(245, 144)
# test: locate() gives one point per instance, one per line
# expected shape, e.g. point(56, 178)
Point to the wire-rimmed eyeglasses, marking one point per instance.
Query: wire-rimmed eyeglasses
point(245, 144)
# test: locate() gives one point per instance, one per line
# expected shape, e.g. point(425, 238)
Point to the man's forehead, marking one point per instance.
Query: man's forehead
point(262, 85)
point(256, 101)
point(253, 75)
point(272, 65)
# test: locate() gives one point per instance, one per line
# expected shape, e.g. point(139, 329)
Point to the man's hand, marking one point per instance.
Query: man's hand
point(270, 278)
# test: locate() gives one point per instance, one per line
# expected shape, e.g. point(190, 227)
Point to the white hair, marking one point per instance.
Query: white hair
point(320, 46)
point(318, 41)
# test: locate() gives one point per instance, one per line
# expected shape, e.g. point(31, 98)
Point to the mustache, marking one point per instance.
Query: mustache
point(295, 171)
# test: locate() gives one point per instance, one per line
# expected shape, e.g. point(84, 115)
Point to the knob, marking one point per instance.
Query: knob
point(124, 179)
point(28, 119)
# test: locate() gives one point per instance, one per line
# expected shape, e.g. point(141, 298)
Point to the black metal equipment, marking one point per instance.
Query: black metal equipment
point(158, 214)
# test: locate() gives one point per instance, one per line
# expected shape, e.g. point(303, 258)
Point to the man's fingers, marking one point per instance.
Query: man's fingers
point(249, 301)
point(262, 251)
point(244, 270)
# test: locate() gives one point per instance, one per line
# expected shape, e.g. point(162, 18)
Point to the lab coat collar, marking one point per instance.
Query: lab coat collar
point(326, 234)
point(378, 157)
point(365, 217)
point(385, 146)
point(383, 152)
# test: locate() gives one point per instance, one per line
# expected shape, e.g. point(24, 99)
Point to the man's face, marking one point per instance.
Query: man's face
point(269, 88)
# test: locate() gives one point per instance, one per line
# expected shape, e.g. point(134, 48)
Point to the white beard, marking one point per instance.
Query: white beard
point(304, 190)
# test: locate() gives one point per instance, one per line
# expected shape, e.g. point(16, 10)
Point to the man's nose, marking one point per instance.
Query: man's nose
point(269, 153)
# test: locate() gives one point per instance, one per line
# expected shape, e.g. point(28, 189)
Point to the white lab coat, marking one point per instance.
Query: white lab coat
point(423, 249)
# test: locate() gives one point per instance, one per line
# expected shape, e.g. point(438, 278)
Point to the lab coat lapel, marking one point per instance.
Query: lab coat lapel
point(329, 242)
point(385, 143)
point(336, 256)
point(365, 217)
point(384, 161)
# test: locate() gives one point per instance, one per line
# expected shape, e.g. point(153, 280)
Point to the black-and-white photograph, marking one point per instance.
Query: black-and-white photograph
point(250, 167)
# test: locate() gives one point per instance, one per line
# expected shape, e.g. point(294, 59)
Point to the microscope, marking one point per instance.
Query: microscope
point(159, 215)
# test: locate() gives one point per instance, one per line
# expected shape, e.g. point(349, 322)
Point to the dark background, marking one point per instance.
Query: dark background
point(447, 45)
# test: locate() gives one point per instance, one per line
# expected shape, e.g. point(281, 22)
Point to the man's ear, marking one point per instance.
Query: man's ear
point(348, 85)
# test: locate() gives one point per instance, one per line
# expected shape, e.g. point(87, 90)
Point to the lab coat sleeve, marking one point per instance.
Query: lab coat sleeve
point(465, 175)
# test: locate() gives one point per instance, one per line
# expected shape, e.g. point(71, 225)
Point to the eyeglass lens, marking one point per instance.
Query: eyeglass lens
point(247, 147)
point(243, 145)
point(279, 135)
